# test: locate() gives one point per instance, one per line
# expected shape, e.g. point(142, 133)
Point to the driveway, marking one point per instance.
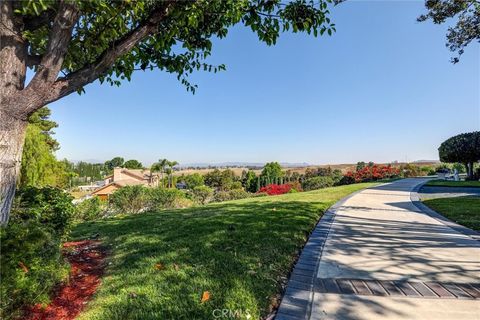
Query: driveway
point(384, 258)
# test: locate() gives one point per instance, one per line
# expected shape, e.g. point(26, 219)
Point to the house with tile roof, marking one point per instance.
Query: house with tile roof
point(122, 177)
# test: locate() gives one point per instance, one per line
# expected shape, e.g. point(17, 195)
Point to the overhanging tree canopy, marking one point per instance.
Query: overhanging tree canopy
point(71, 43)
point(463, 148)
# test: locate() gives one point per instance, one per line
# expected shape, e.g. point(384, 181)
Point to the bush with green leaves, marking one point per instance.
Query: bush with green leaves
point(202, 194)
point(161, 198)
point(51, 207)
point(90, 209)
point(234, 194)
point(317, 183)
point(130, 199)
point(192, 180)
point(32, 263)
point(345, 180)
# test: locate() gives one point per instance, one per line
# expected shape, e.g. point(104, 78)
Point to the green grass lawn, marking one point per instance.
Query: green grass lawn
point(462, 210)
point(240, 251)
point(445, 183)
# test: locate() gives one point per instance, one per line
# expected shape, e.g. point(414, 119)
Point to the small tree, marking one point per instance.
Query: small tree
point(463, 148)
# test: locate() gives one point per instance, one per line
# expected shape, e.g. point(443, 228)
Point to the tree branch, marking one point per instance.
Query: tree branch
point(57, 46)
point(76, 80)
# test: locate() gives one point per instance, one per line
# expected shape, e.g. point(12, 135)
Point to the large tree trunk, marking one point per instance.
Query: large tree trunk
point(13, 55)
point(12, 136)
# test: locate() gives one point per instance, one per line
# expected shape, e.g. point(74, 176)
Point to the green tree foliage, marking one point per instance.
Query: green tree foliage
point(463, 148)
point(115, 162)
point(39, 166)
point(41, 119)
point(193, 180)
point(133, 164)
point(361, 165)
point(111, 40)
point(86, 172)
point(317, 183)
point(249, 182)
point(465, 14)
point(160, 167)
point(271, 173)
point(221, 180)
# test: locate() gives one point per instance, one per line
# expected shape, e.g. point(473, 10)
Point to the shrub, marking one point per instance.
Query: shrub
point(193, 180)
point(234, 194)
point(346, 180)
point(130, 199)
point(51, 207)
point(221, 196)
point(295, 185)
point(275, 189)
point(202, 194)
point(161, 198)
point(373, 172)
point(32, 263)
point(317, 183)
point(90, 209)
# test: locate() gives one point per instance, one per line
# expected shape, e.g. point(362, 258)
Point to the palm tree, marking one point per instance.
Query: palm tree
point(160, 167)
point(170, 165)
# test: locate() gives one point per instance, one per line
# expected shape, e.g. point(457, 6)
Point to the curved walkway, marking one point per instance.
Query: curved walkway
point(376, 255)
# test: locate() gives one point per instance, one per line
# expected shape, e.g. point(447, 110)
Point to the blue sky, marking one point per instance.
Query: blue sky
point(381, 88)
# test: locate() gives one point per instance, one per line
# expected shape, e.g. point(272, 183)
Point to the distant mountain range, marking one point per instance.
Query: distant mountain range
point(240, 164)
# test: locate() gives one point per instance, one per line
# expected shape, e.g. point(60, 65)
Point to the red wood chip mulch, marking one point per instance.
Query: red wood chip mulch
point(87, 260)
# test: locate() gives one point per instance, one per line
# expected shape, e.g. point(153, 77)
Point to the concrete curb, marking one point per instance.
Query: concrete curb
point(415, 198)
point(297, 299)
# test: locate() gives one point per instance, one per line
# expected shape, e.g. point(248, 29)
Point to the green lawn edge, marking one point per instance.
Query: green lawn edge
point(448, 183)
point(240, 251)
point(462, 210)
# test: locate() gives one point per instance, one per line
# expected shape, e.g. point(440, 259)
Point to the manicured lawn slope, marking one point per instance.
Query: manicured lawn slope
point(462, 210)
point(239, 251)
point(445, 183)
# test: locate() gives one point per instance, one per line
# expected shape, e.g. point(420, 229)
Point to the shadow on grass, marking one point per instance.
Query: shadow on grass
point(162, 262)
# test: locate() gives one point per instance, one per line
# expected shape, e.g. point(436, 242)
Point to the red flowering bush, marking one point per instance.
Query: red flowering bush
point(372, 173)
point(275, 189)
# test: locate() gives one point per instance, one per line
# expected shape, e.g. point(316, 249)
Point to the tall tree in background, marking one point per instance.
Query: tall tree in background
point(271, 173)
point(114, 163)
point(171, 165)
point(465, 13)
point(39, 166)
point(69, 44)
point(160, 167)
point(133, 164)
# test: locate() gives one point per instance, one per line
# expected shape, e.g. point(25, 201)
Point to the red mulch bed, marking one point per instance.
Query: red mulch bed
point(87, 259)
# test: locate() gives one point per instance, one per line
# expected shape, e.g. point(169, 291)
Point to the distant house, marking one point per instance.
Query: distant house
point(122, 177)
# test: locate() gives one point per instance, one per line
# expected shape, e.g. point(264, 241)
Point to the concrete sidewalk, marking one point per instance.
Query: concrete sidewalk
point(384, 258)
